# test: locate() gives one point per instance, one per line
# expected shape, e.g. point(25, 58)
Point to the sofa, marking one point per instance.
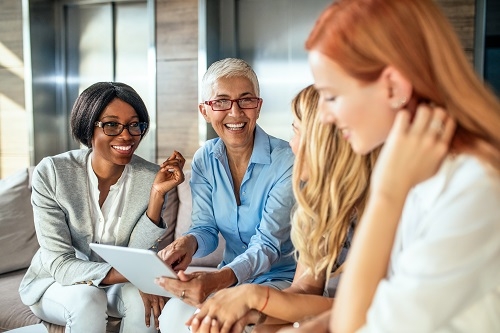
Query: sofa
point(18, 243)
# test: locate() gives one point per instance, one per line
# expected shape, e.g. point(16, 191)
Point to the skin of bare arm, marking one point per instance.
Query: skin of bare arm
point(169, 176)
point(317, 325)
point(235, 304)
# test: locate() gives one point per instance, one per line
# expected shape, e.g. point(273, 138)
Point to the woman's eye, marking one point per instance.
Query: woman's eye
point(133, 124)
point(111, 124)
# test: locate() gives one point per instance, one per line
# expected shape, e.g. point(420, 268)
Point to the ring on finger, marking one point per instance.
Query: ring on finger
point(183, 293)
point(437, 125)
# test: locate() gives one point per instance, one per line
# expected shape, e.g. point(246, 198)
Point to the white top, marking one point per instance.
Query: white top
point(444, 274)
point(106, 219)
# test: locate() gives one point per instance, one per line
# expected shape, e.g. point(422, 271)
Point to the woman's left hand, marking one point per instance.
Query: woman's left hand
point(227, 306)
point(413, 151)
point(155, 303)
point(170, 173)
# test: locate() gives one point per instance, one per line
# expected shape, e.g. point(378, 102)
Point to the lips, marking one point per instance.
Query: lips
point(235, 126)
point(346, 133)
point(123, 149)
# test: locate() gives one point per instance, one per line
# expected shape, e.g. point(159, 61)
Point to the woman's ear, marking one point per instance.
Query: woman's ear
point(203, 112)
point(260, 107)
point(399, 88)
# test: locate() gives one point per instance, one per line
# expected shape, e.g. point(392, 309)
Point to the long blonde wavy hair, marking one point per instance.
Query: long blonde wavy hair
point(414, 36)
point(335, 192)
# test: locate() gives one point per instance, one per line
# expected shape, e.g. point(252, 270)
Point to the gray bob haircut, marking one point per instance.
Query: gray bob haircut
point(228, 67)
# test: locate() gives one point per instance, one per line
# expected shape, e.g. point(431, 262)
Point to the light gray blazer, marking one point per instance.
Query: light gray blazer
point(62, 214)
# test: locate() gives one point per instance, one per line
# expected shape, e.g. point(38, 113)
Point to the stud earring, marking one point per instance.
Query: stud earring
point(398, 104)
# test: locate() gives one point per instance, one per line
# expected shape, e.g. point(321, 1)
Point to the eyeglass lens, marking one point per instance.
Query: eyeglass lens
point(112, 128)
point(226, 104)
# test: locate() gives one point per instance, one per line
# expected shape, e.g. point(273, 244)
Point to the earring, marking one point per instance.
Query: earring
point(398, 103)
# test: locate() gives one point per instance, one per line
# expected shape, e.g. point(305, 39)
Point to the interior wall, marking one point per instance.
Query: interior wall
point(177, 78)
point(14, 120)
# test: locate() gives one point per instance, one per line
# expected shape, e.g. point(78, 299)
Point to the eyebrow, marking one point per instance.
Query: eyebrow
point(228, 97)
point(116, 117)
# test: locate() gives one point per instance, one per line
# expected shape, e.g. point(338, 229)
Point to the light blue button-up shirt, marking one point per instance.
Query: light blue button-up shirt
point(257, 232)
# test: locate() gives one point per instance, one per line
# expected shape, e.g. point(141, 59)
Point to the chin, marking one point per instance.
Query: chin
point(361, 149)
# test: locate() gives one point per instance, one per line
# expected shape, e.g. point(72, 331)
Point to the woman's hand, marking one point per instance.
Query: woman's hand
point(179, 253)
point(170, 174)
point(155, 303)
point(227, 306)
point(191, 288)
point(413, 151)
point(212, 325)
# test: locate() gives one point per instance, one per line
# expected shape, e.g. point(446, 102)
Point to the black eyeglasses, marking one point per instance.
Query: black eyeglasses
point(112, 128)
point(227, 104)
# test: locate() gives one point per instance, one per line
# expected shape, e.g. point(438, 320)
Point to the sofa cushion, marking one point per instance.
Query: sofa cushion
point(18, 242)
point(184, 222)
point(169, 216)
point(13, 313)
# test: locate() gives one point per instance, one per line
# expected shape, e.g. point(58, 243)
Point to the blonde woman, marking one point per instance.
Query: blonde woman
point(426, 255)
point(330, 183)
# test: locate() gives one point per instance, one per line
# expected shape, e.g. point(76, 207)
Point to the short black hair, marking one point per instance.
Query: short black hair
point(91, 103)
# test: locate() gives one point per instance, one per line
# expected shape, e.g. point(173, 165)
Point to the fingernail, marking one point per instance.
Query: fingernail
point(207, 320)
point(195, 321)
point(214, 322)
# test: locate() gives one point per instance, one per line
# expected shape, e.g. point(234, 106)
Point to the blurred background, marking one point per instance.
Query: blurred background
point(50, 50)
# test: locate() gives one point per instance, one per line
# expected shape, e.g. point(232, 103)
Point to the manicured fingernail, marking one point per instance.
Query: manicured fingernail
point(207, 320)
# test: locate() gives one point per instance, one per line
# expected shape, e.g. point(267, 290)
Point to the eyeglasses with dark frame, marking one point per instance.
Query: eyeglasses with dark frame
point(227, 104)
point(113, 128)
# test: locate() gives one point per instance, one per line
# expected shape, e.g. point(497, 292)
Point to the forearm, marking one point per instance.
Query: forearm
point(156, 201)
point(222, 279)
point(368, 262)
point(113, 277)
point(284, 306)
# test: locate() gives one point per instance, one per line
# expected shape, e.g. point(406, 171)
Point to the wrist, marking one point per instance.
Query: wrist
point(262, 318)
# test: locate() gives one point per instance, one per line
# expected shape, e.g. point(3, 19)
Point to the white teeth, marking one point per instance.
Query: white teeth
point(122, 147)
point(235, 126)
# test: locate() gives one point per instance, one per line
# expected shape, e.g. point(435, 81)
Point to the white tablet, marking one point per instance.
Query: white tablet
point(139, 266)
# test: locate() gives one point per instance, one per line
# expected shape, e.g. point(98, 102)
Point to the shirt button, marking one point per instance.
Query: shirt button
point(243, 247)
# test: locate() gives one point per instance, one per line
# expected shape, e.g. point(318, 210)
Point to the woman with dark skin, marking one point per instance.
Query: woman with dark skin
point(103, 194)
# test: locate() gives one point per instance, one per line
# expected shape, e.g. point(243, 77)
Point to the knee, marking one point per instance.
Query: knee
point(174, 316)
point(90, 301)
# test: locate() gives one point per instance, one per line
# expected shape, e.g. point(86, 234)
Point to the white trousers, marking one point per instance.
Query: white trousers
point(175, 313)
point(85, 309)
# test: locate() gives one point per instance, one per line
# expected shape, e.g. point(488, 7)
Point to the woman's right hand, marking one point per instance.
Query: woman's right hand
point(179, 253)
point(413, 151)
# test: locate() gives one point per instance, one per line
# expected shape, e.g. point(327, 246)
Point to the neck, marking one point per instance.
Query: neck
point(106, 172)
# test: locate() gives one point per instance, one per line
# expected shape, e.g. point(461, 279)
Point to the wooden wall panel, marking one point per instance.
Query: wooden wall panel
point(177, 106)
point(177, 29)
point(177, 78)
point(462, 13)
